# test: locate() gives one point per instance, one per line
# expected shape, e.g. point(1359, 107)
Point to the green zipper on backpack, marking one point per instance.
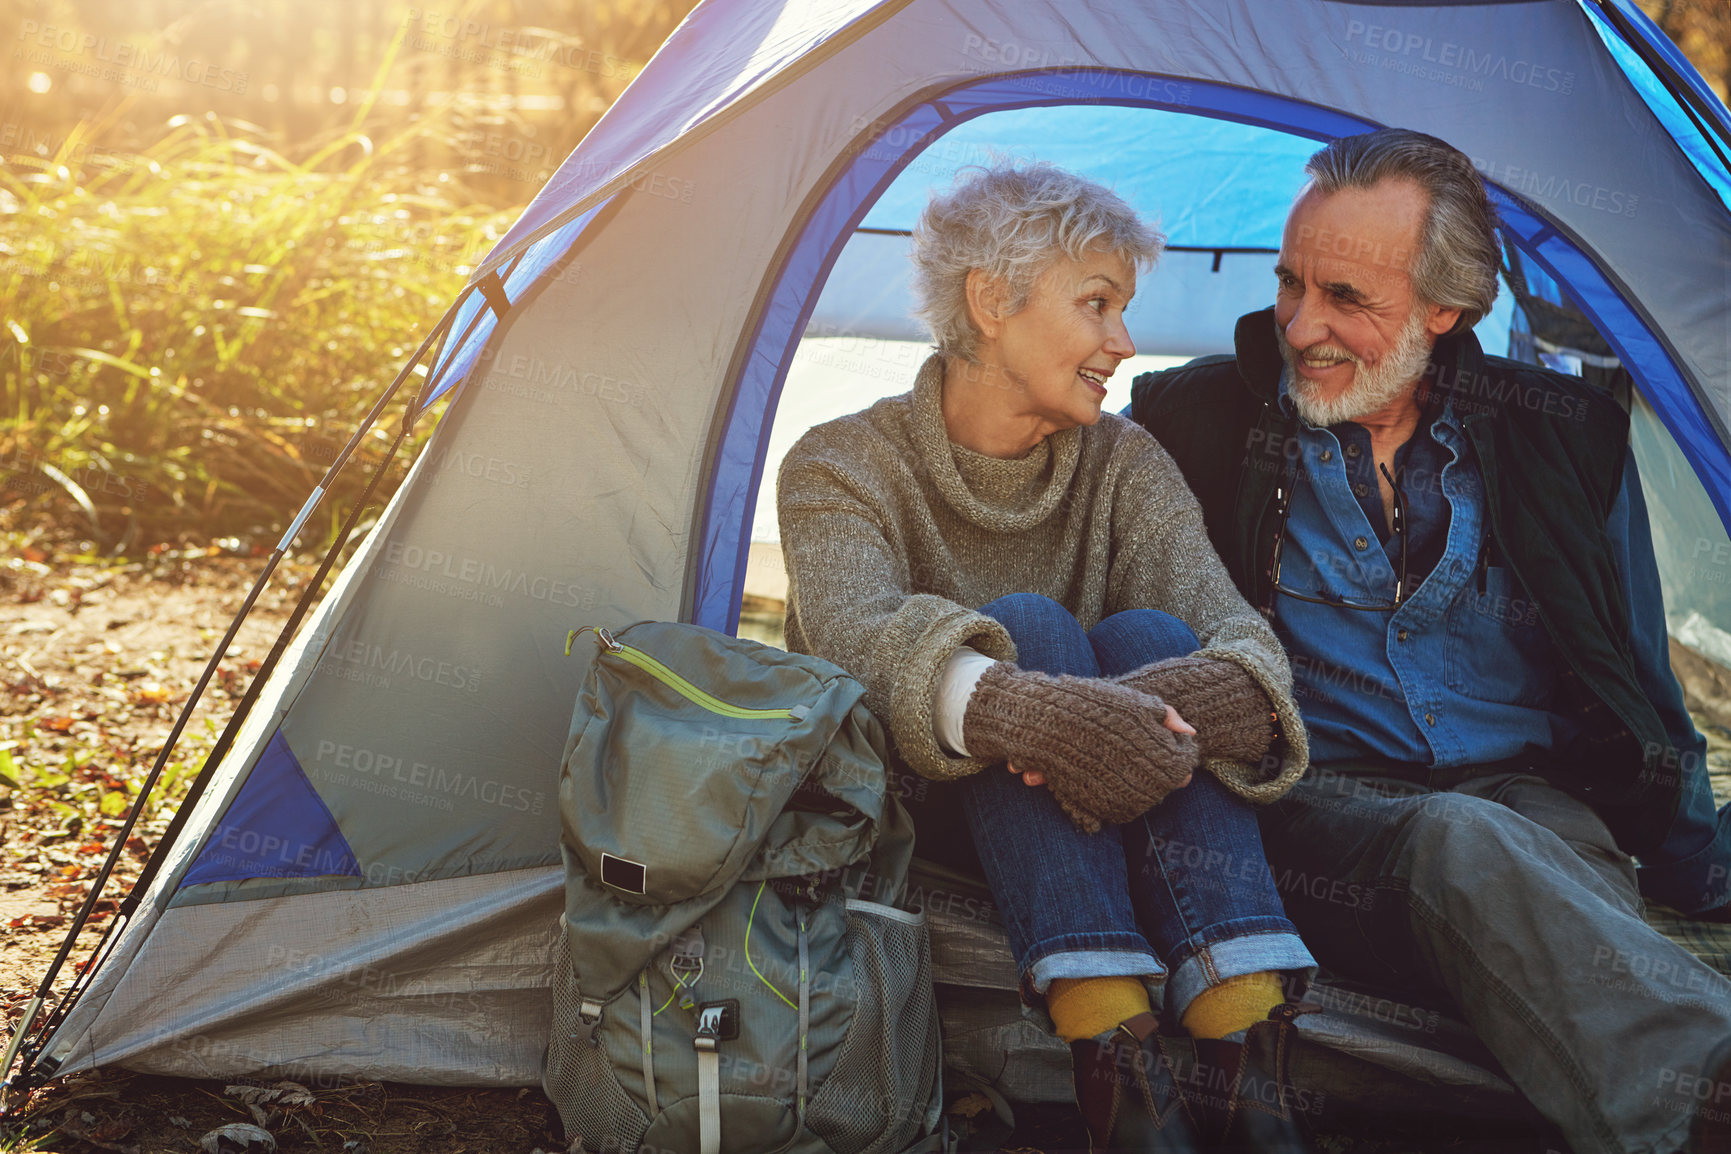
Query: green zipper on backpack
point(678, 684)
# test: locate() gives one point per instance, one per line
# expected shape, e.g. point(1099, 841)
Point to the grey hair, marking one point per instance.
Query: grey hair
point(1458, 255)
point(1013, 222)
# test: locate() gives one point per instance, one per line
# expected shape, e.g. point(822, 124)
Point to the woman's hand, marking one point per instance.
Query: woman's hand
point(1107, 752)
point(1237, 718)
point(1173, 721)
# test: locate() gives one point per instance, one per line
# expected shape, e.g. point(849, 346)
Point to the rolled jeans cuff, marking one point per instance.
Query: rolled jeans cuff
point(1233, 958)
point(1062, 962)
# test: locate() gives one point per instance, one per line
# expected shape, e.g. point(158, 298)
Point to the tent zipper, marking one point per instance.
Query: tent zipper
point(683, 687)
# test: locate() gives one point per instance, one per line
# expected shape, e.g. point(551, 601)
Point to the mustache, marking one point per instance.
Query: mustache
point(1325, 352)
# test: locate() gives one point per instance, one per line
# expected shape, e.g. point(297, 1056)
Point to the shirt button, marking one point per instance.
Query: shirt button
point(1430, 719)
point(1328, 454)
point(1360, 544)
point(1401, 636)
point(1360, 489)
point(1352, 451)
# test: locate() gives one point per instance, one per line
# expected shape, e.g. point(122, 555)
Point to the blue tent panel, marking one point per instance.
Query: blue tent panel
point(277, 827)
point(1659, 99)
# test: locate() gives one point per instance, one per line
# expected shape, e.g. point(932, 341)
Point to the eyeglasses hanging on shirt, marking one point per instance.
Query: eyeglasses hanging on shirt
point(1283, 510)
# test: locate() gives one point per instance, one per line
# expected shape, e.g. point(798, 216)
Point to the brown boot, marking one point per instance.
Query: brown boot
point(1240, 1093)
point(1125, 1092)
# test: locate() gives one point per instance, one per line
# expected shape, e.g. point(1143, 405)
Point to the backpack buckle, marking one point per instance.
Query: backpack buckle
point(588, 1019)
point(716, 1022)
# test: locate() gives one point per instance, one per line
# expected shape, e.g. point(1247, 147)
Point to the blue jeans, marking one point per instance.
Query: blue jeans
point(1183, 894)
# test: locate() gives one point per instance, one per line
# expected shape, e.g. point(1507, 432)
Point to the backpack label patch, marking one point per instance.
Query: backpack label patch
point(624, 874)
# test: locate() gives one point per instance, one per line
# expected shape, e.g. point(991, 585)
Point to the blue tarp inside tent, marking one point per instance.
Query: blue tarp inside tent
point(1218, 188)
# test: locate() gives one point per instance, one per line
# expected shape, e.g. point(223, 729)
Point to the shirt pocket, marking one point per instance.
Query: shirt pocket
point(1497, 647)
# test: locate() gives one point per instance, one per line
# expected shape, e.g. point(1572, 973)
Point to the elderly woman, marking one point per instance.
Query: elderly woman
point(1026, 590)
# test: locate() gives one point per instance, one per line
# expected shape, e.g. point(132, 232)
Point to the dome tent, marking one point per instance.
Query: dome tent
point(368, 881)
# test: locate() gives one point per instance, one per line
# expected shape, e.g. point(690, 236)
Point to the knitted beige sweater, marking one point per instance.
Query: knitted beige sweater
point(893, 536)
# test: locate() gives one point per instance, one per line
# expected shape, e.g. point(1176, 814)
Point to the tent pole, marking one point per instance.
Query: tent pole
point(1708, 125)
point(130, 904)
point(19, 1090)
point(195, 790)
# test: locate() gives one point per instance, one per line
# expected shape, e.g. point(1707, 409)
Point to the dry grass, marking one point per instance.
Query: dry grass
point(193, 329)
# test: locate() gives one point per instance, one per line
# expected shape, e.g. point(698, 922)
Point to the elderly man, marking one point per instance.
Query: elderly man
point(1454, 550)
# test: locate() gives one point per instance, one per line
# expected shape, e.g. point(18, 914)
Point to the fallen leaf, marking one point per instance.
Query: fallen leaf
point(278, 1093)
point(150, 693)
point(61, 724)
point(971, 1105)
point(238, 1137)
point(113, 1130)
point(83, 1126)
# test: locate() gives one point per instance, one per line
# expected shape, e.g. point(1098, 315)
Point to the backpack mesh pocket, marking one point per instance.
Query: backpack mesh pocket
point(579, 1078)
point(877, 1096)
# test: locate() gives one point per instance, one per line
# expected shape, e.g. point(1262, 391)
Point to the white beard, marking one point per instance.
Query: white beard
point(1373, 386)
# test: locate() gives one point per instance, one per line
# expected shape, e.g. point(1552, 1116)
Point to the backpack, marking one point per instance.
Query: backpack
point(733, 971)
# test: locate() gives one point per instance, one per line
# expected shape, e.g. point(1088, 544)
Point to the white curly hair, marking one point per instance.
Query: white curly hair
point(1013, 221)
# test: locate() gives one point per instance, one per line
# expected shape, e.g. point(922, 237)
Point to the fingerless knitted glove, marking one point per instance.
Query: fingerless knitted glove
point(1102, 747)
point(1232, 715)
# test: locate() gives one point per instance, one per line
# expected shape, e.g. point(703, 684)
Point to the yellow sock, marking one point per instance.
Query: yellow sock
point(1084, 1007)
point(1235, 1004)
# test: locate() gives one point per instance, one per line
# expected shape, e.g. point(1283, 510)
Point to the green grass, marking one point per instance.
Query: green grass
point(193, 330)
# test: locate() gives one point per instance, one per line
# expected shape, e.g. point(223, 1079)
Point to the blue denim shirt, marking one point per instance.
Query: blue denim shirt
point(1463, 673)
